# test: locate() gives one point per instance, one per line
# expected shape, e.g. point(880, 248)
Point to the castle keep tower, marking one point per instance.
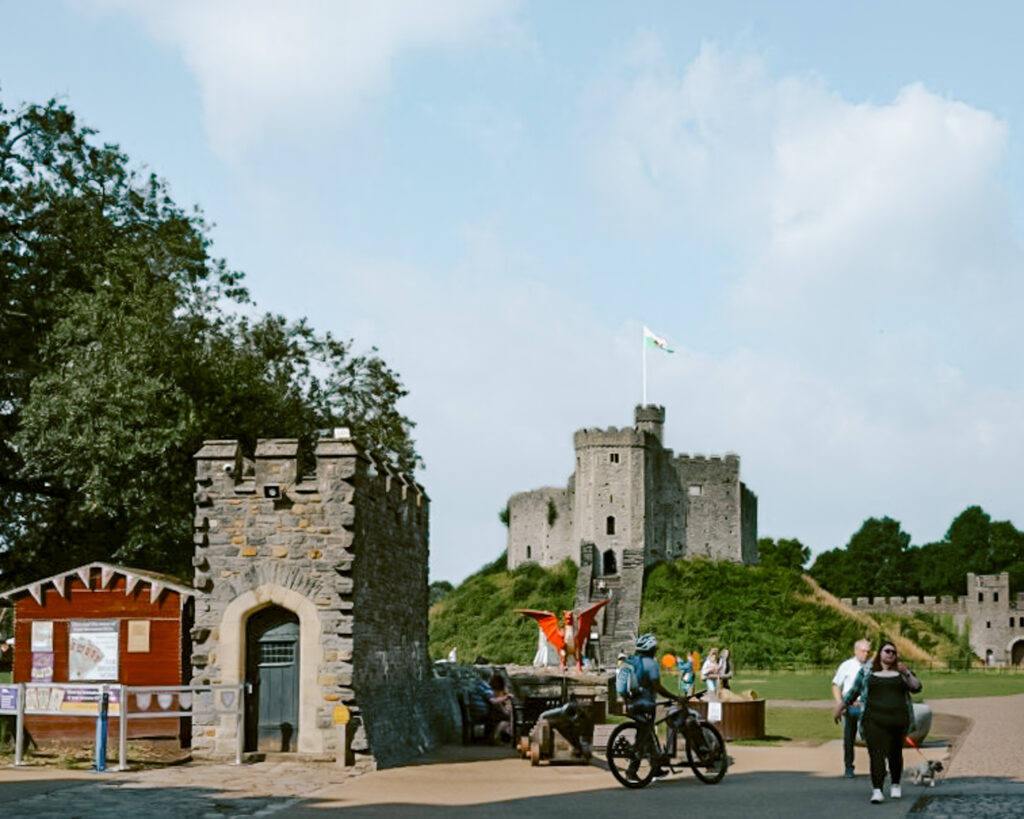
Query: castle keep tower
point(316, 599)
point(631, 503)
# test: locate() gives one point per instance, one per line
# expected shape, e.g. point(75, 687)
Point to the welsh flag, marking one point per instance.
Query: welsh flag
point(654, 340)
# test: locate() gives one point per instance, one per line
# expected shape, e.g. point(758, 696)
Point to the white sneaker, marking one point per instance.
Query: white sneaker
point(876, 796)
point(895, 792)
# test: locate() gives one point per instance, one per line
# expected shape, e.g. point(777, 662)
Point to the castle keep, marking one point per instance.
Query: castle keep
point(631, 503)
point(316, 598)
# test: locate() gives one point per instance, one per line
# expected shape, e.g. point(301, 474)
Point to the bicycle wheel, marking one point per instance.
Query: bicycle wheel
point(707, 755)
point(629, 762)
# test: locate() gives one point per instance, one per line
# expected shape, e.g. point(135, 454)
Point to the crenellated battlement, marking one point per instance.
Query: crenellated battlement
point(927, 604)
point(612, 436)
point(273, 471)
point(728, 458)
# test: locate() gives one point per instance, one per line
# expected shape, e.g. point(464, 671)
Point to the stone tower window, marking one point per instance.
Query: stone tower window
point(528, 550)
point(696, 489)
point(981, 597)
point(1011, 622)
point(614, 457)
point(609, 525)
point(988, 624)
point(995, 597)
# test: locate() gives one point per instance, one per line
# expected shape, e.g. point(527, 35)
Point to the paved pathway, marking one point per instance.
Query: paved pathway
point(985, 778)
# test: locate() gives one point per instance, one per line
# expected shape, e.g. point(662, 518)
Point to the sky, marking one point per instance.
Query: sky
point(819, 204)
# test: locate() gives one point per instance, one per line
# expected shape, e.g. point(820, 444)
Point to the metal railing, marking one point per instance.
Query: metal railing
point(99, 702)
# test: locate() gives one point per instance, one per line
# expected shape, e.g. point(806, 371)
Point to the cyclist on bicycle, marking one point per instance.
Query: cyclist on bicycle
point(642, 705)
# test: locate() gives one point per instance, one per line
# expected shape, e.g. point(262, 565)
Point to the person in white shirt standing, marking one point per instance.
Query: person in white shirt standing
point(842, 682)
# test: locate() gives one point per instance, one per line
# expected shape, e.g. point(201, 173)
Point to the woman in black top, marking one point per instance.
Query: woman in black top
point(885, 687)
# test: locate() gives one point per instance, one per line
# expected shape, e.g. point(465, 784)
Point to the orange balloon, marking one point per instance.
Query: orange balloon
point(668, 661)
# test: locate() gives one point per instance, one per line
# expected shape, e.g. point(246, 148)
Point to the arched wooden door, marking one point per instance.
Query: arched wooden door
point(272, 680)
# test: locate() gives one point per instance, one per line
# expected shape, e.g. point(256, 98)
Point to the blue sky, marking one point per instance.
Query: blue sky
point(819, 205)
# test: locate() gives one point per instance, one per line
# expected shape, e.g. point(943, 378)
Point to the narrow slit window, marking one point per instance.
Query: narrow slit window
point(609, 525)
point(614, 457)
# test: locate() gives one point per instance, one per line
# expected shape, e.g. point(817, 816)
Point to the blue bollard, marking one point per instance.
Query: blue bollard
point(101, 731)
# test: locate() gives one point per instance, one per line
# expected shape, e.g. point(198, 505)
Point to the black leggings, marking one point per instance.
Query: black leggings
point(885, 742)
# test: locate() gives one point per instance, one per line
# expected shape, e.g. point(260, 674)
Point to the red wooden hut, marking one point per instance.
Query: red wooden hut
point(102, 624)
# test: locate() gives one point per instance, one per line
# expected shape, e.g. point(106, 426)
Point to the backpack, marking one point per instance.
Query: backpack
point(627, 677)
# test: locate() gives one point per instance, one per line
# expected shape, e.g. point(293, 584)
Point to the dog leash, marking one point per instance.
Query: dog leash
point(914, 746)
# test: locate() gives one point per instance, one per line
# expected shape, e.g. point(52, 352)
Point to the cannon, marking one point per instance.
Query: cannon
point(564, 734)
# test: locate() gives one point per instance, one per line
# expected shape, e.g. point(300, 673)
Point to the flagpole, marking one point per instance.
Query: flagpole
point(643, 364)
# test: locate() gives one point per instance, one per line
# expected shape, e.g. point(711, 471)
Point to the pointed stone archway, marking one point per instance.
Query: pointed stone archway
point(233, 628)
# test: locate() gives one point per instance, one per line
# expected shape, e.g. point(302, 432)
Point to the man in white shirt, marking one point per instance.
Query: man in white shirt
point(842, 682)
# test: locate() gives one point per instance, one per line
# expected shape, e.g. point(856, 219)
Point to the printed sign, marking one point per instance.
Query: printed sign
point(8, 698)
point(42, 635)
point(69, 700)
point(42, 666)
point(714, 712)
point(138, 635)
point(93, 649)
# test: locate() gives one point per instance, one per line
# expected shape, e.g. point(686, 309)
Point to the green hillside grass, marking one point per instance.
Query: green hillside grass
point(767, 618)
point(478, 617)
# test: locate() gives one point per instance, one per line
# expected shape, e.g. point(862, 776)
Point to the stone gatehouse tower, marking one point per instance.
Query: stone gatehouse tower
point(631, 503)
point(315, 596)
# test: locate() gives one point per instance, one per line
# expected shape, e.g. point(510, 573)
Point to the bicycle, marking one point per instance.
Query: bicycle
point(634, 751)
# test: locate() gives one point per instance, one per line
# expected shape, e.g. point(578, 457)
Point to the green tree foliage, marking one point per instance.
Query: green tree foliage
point(479, 618)
point(438, 590)
point(785, 554)
point(874, 562)
point(124, 348)
point(879, 562)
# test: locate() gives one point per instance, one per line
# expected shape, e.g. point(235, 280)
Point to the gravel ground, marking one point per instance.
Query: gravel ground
point(992, 747)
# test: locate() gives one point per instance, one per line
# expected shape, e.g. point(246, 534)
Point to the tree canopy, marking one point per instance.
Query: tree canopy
point(784, 554)
point(125, 344)
point(879, 560)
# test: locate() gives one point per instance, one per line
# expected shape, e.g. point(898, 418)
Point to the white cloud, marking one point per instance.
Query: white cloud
point(267, 68)
point(875, 298)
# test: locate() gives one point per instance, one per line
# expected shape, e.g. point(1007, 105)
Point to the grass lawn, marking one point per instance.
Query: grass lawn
point(812, 725)
point(5, 677)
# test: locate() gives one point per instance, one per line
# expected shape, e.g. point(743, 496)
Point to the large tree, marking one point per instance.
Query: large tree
point(873, 563)
point(124, 346)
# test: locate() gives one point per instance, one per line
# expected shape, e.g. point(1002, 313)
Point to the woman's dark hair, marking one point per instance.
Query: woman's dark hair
point(876, 664)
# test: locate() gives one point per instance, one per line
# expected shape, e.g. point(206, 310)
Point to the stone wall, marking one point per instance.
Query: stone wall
point(992, 618)
point(405, 709)
point(533, 536)
point(715, 521)
point(345, 550)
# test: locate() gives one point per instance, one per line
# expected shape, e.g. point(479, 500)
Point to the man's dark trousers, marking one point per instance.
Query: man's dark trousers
point(850, 724)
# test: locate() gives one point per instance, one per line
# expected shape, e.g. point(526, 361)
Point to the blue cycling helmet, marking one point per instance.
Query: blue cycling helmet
point(646, 643)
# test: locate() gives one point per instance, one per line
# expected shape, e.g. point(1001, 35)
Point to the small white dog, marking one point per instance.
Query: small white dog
point(926, 772)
